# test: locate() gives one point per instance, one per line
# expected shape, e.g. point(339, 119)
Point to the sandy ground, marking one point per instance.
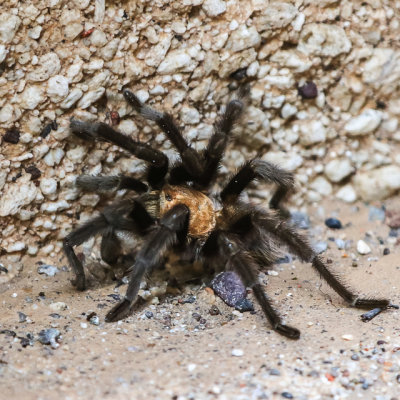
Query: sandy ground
point(175, 355)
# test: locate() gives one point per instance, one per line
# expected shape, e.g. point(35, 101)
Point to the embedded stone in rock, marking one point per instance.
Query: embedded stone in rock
point(337, 170)
point(364, 123)
point(308, 90)
point(228, 286)
point(377, 184)
point(11, 136)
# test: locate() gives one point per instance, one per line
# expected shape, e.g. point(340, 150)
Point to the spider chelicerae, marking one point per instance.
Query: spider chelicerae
point(175, 210)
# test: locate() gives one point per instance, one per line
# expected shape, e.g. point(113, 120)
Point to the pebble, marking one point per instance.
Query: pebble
point(364, 123)
point(48, 270)
point(384, 180)
point(393, 218)
point(287, 395)
point(11, 136)
point(308, 90)
point(214, 7)
point(244, 305)
point(347, 194)
point(237, 352)
point(274, 372)
point(376, 214)
point(149, 314)
point(320, 247)
point(229, 287)
point(300, 220)
point(355, 357)
point(22, 317)
point(49, 336)
point(386, 251)
point(333, 223)
point(347, 337)
point(338, 169)
point(363, 248)
point(58, 306)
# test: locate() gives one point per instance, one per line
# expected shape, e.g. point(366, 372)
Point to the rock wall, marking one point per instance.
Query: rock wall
point(325, 98)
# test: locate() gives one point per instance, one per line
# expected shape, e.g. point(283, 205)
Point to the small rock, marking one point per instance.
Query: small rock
point(214, 7)
point(22, 317)
point(287, 259)
point(386, 251)
point(355, 357)
point(393, 218)
point(149, 314)
point(237, 352)
point(337, 170)
point(244, 305)
point(320, 247)
point(333, 223)
point(228, 286)
point(58, 306)
point(364, 123)
point(287, 395)
point(347, 194)
point(376, 214)
point(300, 220)
point(347, 337)
point(308, 90)
point(363, 248)
point(274, 372)
point(214, 310)
point(49, 336)
point(48, 270)
point(12, 136)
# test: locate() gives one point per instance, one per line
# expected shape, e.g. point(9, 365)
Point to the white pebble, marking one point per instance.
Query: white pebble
point(347, 194)
point(191, 367)
point(58, 306)
point(237, 352)
point(347, 337)
point(214, 7)
point(362, 247)
point(84, 325)
point(48, 186)
point(364, 123)
point(57, 88)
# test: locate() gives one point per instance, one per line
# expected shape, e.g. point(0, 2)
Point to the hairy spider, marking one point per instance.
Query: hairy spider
point(175, 210)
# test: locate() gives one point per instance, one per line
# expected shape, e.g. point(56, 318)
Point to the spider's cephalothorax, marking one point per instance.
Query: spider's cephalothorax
point(174, 207)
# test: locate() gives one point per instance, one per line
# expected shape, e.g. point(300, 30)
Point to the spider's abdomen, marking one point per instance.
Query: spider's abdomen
point(202, 214)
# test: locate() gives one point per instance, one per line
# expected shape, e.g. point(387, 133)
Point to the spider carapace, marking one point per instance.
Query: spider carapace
point(173, 207)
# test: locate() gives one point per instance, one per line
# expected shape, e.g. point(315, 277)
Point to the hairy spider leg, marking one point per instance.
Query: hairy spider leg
point(155, 247)
point(104, 183)
point(299, 246)
point(189, 156)
point(259, 169)
point(230, 249)
point(222, 132)
point(127, 215)
point(158, 167)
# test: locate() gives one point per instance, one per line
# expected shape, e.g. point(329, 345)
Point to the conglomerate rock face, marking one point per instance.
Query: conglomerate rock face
point(325, 98)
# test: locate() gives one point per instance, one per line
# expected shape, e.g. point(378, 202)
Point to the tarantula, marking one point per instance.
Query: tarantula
point(175, 210)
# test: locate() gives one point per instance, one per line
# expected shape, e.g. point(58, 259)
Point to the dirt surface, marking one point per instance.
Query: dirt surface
point(177, 350)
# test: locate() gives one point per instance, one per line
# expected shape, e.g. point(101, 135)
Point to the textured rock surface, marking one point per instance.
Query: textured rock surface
point(61, 60)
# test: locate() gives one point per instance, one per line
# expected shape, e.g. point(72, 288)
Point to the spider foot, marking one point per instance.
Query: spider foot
point(372, 303)
point(288, 331)
point(80, 283)
point(120, 311)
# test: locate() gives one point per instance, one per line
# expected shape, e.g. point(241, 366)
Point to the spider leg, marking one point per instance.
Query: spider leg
point(258, 169)
point(211, 157)
point(222, 131)
point(190, 158)
point(299, 246)
point(108, 183)
point(155, 247)
point(126, 215)
point(110, 247)
point(228, 247)
point(103, 132)
point(75, 238)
